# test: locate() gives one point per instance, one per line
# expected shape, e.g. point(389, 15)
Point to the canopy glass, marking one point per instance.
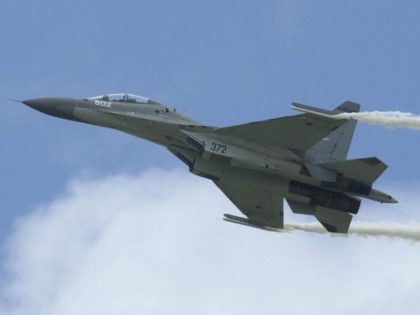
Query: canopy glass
point(125, 98)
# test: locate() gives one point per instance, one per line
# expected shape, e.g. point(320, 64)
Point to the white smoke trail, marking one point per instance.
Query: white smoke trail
point(388, 119)
point(409, 232)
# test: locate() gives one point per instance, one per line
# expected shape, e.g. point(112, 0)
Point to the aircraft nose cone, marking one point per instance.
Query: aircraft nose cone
point(393, 200)
point(54, 106)
point(39, 104)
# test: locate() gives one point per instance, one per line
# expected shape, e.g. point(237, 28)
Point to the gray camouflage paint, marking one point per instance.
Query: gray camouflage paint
point(256, 165)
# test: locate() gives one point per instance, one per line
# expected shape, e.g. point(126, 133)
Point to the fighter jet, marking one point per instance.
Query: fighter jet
point(300, 158)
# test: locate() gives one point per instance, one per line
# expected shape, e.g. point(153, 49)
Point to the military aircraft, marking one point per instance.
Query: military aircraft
point(300, 158)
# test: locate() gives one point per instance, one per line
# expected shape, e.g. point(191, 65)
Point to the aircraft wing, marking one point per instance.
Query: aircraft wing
point(260, 206)
point(299, 132)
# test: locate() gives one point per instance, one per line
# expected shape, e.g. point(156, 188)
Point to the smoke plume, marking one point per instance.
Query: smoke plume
point(389, 119)
point(155, 243)
point(410, 232)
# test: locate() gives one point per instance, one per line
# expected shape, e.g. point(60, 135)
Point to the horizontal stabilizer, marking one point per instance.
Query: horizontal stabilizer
point(301, 208)
point(366, 170)
point(333, 221)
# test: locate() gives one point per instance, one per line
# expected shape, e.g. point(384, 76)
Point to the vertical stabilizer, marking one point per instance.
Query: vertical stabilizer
point(336, 145)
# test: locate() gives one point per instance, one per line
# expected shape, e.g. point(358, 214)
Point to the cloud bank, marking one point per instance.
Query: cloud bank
point(155, 243)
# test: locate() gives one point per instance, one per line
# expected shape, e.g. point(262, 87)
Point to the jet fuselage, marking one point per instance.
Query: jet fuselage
point(285, 172)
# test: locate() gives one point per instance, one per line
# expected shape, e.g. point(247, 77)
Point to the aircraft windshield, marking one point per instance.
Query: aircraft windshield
point(125, 98)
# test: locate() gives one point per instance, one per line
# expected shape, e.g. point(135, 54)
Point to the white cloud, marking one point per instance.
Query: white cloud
point(155, 243)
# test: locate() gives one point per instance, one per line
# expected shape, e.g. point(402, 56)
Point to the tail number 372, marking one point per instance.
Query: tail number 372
point(218, 148)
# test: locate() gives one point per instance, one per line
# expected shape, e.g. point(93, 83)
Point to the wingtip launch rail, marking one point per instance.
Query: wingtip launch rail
point(346, 107)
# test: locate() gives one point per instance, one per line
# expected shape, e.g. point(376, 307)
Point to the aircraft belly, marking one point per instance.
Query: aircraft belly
point(220, 171)
point(247, 160)
point(290, 189)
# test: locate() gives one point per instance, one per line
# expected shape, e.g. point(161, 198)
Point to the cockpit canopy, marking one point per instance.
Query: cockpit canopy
point(124, 98)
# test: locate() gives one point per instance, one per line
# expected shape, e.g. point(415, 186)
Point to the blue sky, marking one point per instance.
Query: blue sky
point(220, 62)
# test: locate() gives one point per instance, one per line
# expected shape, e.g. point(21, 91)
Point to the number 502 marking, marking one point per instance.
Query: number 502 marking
point(217, 147)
